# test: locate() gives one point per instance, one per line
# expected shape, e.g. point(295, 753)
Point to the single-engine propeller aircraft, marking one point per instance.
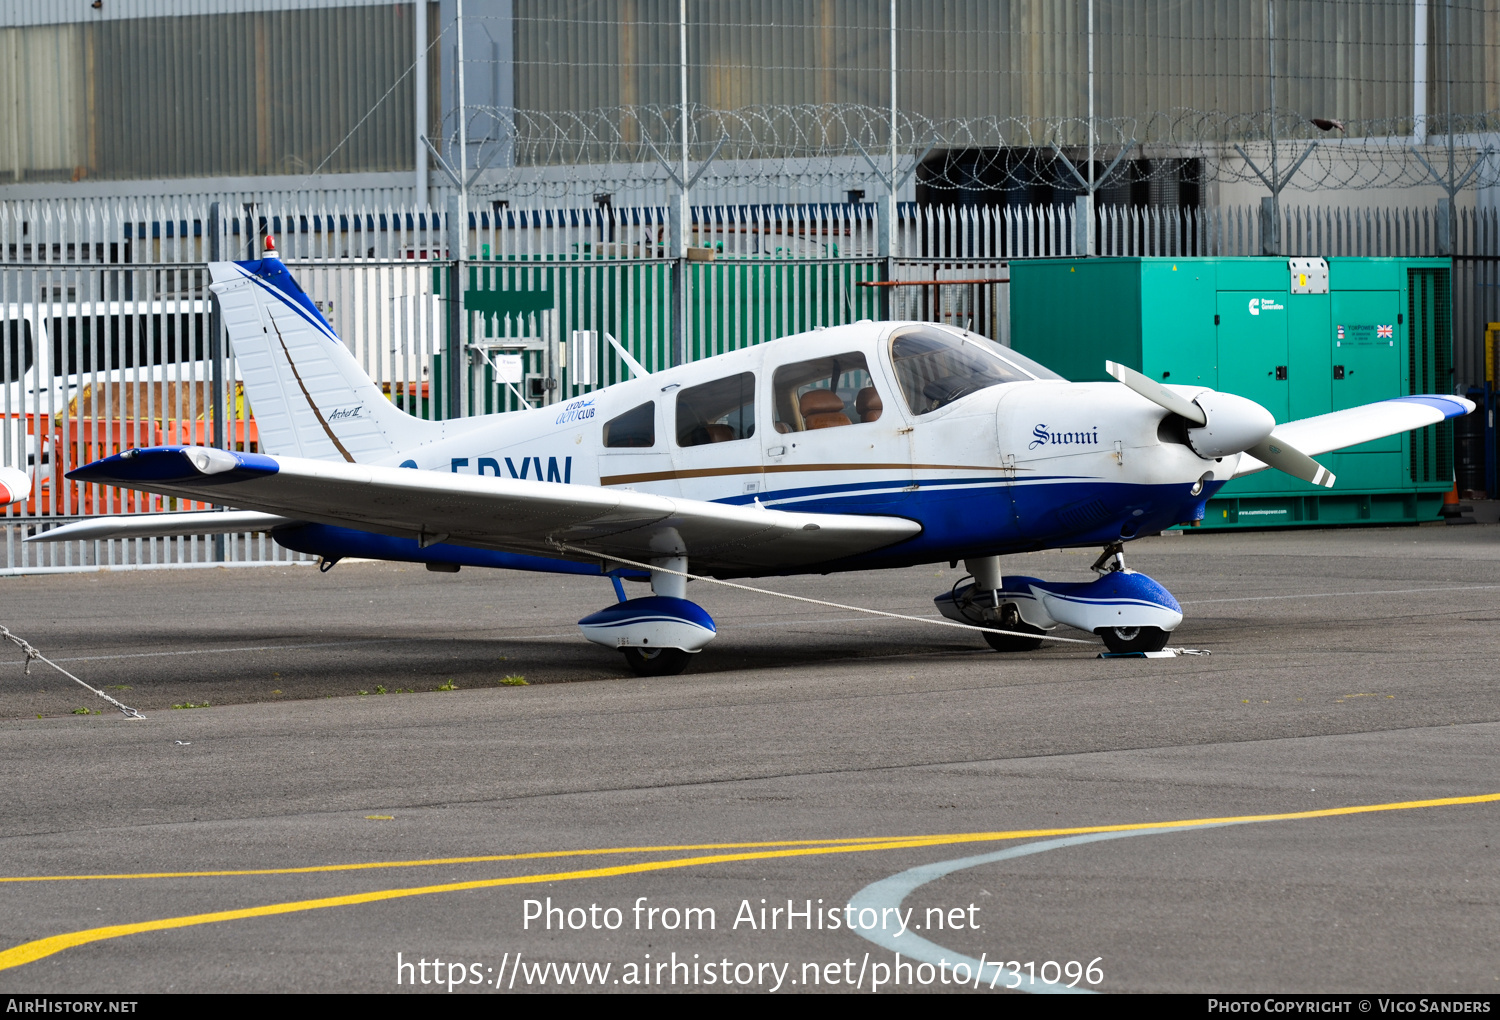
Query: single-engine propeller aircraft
point(854, 447)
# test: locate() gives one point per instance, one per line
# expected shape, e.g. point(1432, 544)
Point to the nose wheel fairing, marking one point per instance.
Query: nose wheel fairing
point(1119, 599)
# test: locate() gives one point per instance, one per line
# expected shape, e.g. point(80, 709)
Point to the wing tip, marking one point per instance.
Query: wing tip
point(173, 463)
point(1450, 405)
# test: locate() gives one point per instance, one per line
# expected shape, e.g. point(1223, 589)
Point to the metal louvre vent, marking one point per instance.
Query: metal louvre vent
point(1085, 515)
point(1430, 368)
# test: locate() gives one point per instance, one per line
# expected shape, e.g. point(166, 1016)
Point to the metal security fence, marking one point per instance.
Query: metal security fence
point(107, 341)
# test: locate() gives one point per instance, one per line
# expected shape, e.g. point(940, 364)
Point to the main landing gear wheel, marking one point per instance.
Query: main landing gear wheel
point(656, 661)
point(1013, 642)
point(1133, 639)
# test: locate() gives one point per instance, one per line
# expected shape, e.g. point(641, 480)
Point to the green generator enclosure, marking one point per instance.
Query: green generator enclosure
point(1300, 336)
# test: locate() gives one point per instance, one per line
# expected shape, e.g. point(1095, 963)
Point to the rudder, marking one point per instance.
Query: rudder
point(309, 396)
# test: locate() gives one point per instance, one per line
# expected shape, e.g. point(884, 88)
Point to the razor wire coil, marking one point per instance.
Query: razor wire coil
point(537, 153)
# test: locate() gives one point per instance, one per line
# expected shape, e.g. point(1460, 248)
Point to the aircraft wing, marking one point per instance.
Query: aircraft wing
point(1356, 425)
point(505, 514)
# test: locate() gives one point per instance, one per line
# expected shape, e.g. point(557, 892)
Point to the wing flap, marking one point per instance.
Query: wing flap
point(1355, 425)
point(505, 514)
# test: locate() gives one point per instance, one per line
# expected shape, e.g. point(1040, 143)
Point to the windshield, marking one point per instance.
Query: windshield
point(1021, 361)
point(935, 368)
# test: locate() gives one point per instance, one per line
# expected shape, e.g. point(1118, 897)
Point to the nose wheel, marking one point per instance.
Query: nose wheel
point(1133, 639)
point(1014, 642)
point(656, 661)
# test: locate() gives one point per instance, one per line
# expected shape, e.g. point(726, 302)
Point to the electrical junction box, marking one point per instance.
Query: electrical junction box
point(1301, 337)
point(1309, 276)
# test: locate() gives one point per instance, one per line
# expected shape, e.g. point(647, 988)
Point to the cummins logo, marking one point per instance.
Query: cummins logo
point(1257, 305)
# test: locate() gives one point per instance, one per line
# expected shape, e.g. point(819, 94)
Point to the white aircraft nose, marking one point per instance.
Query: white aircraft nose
point(1234, 425)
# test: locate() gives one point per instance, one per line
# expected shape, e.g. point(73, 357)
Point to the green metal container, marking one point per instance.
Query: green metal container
point(1267, 329)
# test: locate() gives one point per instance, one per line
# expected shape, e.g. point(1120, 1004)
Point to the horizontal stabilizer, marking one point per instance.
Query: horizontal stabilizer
point(211, 522)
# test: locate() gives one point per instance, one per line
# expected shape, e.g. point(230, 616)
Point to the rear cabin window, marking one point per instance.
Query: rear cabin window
point(717, 412)
point(825, 393)
point(635, 429)
point(99, 343)
point(15, 349)
point(935, 368)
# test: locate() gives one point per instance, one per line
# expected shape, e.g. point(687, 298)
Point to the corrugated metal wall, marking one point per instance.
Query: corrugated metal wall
point(272, 92)
point(1156, 62)
point(42, 106)
point(227, 91)
point(1349, 59)
point(1476, 68)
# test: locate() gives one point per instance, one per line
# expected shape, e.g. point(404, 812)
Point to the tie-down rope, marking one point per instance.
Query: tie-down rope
point(819, 602)
point(32, 653)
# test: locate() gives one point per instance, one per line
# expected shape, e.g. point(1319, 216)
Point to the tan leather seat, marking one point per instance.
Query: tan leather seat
point(718, 433)
point(867, 404)
point(822, 409)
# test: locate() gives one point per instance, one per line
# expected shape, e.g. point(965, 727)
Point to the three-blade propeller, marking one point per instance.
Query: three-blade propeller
point(1227, 424)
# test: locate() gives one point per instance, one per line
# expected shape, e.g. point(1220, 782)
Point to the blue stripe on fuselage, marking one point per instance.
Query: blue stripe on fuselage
point(773, 496)
point(1004, 518)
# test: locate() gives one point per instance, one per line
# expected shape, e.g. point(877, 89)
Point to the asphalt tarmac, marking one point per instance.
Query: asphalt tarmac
point(808, 755)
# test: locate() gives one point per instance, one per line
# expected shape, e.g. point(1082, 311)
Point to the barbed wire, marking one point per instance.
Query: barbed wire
point(532, 152)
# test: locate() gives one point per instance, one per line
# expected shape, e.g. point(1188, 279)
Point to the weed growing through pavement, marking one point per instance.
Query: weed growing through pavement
point(82, 711)
point(192, 704)
point(449, 686)
point(379, 689)
point(513, 681)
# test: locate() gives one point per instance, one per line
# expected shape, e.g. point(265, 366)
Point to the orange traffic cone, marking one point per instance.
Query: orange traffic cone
point(1452, 512)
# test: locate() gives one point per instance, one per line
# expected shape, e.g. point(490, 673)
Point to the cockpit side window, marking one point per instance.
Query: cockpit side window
point(935, 368)
point(824, 393)
point(636, 428)
point(717, 412)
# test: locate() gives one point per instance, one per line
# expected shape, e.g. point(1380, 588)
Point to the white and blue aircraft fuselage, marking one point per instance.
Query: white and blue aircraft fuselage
point(853, 447)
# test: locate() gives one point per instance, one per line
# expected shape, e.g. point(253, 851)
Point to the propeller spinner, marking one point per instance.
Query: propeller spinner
point(1227, 424)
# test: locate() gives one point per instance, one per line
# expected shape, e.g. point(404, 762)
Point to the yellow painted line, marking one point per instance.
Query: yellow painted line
point(38, 949)
point(437, 861)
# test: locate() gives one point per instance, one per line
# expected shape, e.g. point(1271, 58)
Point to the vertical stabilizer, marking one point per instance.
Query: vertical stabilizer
point(309, 396)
